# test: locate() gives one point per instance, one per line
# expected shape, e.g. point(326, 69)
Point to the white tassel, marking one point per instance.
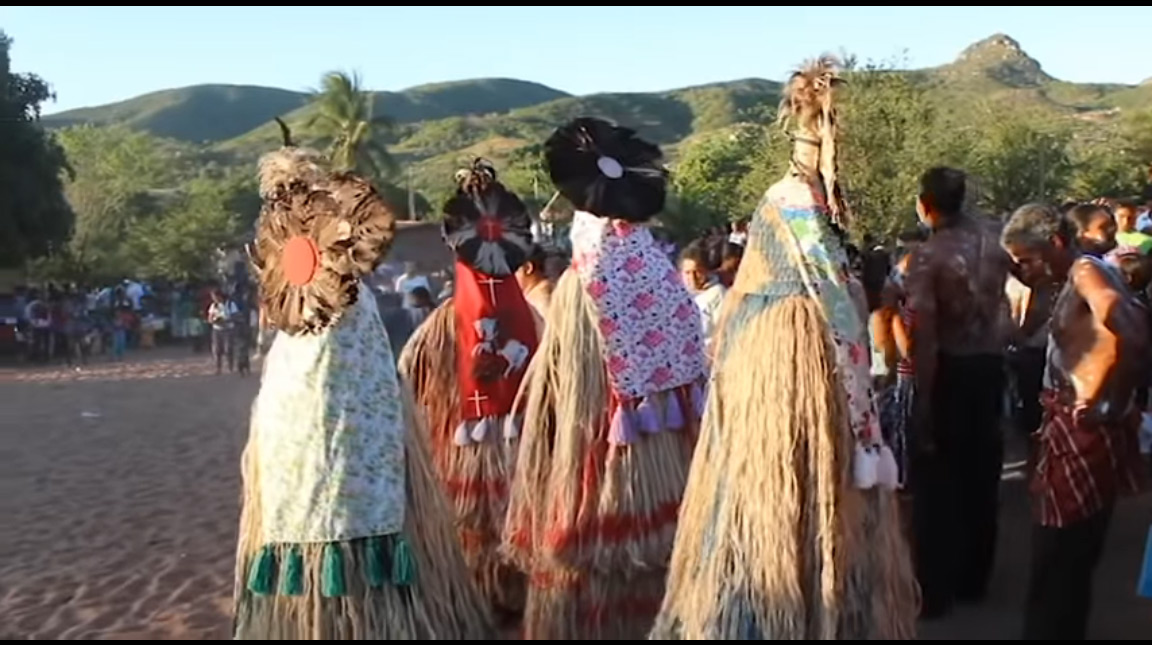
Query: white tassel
point(462, 438)
point(864, 468)
point(490, 259)
point(480, 430)
point(512, 427)
point(887, 472)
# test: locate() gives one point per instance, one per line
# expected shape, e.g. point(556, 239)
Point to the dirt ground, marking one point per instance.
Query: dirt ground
point(119, 492)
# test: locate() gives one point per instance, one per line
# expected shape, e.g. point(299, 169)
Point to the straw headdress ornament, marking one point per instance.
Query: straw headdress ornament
point(809, 108)
point(319, 233)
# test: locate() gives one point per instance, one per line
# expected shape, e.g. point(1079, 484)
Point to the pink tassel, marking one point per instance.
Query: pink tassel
point(674, 416)
point(647, 416)
point(698, 399)
point(621, 431)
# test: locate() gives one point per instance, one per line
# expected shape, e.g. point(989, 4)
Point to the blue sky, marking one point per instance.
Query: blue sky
point(102, 54)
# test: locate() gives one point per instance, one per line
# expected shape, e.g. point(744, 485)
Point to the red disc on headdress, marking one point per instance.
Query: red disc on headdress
point(490, 228)
point(300, 260)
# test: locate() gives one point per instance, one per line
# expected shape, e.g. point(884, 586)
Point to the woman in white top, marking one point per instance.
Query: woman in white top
point(698, 275)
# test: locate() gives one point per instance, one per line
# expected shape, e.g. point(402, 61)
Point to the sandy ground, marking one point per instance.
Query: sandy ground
point(119, 492)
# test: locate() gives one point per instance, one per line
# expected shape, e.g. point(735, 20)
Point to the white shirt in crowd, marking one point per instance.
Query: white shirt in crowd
point(708, 301)
point(220, 314)
point(407, 283)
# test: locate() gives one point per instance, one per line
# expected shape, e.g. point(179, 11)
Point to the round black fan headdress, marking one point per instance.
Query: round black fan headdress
point(607, 170)
point(487, 226)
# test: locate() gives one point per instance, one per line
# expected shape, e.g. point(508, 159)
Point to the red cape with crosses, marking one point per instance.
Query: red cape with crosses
point(495, 340)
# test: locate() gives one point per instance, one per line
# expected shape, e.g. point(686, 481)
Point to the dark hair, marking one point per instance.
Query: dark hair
point(852, 252)
point(1127, 204)
point(874, 271)
point(942, 189)
point(1135, 269)
point(537, 258)
point(731, 251)
point(1067, 206)
point(1081, 215)
point(421, 296)
point(913, 236)
point(697, 251)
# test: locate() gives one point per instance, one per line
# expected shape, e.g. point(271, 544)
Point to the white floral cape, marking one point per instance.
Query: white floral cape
point(328, 430)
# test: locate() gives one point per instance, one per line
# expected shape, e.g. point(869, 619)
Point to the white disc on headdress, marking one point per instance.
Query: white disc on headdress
point(610, 168)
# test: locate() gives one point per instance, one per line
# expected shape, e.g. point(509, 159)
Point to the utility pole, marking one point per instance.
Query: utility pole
point(411, 196)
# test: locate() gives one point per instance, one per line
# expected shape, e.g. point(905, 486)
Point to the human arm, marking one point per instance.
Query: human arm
point(902, 335)
point(1112, 320)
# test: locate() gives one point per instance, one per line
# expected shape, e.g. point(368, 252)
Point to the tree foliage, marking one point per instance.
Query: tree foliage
point(1018, 161)
point(34, 217)
point(715, 179)
point(118, 174)
point(889, 135)
point(891, 132)
point(179, 242)
point(344, 116)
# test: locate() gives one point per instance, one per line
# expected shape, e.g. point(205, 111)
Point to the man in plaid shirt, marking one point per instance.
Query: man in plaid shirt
point(1088, 452)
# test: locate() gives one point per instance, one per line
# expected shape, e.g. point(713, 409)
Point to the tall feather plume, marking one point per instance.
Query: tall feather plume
point(809, 108)
point(476, 182)
point(291, 163)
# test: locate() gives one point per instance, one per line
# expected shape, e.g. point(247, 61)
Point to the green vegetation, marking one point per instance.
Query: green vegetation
point(162, 179)
point(34, 218)
point(202, 113)
point(344, 116)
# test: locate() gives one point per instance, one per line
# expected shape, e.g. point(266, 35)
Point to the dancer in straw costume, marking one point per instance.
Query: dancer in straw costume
point(789, 528)
point(612, 402)
point(344, 533)
point(465, 364)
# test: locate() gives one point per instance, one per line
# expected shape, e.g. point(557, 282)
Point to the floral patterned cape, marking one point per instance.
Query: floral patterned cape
point(651, 326)
point(328, 428)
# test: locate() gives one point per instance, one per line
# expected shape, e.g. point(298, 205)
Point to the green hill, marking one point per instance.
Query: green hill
point(198, 113)
point(440, 125)
point(215, 113)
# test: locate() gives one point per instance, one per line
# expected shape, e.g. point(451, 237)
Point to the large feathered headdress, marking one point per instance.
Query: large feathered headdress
point(485, 224)
point(606, 170)
point(809, 107)
point(318, 234)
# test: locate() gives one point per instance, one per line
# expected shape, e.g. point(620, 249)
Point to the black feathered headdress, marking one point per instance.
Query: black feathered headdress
point(607, 170)
point(487, 226)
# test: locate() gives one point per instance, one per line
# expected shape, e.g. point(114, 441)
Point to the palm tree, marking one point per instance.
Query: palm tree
point(344, 115)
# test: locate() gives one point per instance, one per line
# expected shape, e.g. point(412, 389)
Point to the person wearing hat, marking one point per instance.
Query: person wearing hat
point(344, 533)
point(612, 402)
point(789, 527)
point(465, 364)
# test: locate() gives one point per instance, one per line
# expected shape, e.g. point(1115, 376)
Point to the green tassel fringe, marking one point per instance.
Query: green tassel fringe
point(332, 572)
point(262, 572)
point(292, 573)
point(403, 564)
point(374, 562)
